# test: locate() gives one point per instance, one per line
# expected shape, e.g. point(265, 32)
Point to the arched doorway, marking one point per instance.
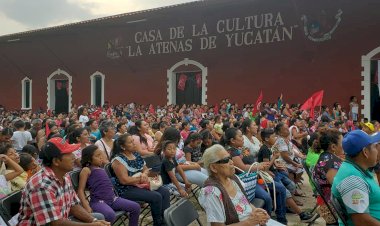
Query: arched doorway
point(370, 84)
point(59, 91)
point(97, 88)
point(193, 81)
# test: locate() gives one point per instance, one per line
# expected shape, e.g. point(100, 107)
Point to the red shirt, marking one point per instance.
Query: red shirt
point(46, 199)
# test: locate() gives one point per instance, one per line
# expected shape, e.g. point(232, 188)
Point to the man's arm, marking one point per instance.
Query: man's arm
point(81, 214)
point(364, 219)
point(354, 192)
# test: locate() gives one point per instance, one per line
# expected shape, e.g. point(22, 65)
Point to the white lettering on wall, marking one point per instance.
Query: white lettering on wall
point(244, 31)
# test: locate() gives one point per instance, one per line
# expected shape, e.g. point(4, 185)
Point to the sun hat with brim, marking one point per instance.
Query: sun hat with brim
point(63, 146)
point(355, 141)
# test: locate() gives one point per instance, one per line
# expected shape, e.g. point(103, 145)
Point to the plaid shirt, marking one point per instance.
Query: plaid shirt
point(45, 199)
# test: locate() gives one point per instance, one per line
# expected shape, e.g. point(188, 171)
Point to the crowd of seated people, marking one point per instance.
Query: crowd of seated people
point(199, 146)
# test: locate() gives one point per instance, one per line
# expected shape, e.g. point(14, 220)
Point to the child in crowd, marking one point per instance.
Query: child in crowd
point(102, 196)
point(21, 137)
point(192, 147)
point(5, 177)
point(18, 182)
point(29, 164)
point(168, 167)
point(31, 150)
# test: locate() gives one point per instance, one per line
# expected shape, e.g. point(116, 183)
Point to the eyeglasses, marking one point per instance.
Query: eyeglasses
point(224, 161)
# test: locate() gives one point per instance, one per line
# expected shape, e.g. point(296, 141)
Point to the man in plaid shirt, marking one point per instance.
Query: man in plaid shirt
point(49, 197)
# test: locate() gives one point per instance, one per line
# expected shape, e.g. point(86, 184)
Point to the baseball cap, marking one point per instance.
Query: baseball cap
point(369, 125)
point(63, 146)
point(355, 141)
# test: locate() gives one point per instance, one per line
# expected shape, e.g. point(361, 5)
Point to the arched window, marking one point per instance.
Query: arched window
point(97, 88)
point(26, 93)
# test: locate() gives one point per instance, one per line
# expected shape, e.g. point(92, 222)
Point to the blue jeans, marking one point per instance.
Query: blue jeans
point(158, 200)
point(194, 176)
point(284, 179)
point(280, 200)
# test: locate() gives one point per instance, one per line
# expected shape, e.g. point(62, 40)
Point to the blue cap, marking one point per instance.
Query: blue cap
point(355, 141)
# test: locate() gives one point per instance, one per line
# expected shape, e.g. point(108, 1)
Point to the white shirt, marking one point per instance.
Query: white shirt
point(253, 147)
point(100, 145)
point(21, 138)
point(83, 119)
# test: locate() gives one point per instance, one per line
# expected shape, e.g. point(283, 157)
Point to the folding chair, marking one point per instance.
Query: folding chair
point(339, 210)
point(74, 176)
point(181, 213)
point(319, 190)
point(153, 162)
point(10, 205)
point(145, 211)
point(120, 215)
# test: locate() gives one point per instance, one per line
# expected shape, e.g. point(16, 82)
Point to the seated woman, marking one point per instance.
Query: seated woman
point(223, 197)
point(250, 129)
point(79, 136)
point(17, 183)
point(6, 177)
point(326, 168)
point(193, 171)
point(233, 141)
point(127, 162)
point(141, 138)
point(105, 144)
point(207, 140)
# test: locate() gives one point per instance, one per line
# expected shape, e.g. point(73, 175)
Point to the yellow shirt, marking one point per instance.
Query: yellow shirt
point(19, 182)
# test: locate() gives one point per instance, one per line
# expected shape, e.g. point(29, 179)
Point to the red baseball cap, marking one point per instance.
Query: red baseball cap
point(63, 146)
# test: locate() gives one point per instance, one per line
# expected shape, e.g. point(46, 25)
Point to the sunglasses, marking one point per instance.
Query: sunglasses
point(224, 161)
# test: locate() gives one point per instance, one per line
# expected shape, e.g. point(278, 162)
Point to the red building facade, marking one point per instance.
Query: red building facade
point(200, 52)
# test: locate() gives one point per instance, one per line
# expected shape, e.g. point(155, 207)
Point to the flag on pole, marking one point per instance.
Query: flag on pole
point(313, 101)
point(258, 104)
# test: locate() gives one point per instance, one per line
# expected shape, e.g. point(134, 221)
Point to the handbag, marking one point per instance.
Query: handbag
point(268, 179)
point(248, 180)
point(153, 184)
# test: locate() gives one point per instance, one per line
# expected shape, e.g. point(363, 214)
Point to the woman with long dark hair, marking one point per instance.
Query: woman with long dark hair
point(141, 137)
point(131, 171)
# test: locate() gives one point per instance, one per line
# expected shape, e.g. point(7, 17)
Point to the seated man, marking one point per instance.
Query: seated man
point(354, 185)
point(49, 197)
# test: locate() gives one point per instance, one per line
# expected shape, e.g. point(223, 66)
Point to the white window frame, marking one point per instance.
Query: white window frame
point(366, 83)
point(172, 86)
point(23, 94)
point(92, 79)
point(51, 88)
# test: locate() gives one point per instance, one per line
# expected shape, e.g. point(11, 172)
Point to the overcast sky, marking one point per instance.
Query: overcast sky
point(23, 15)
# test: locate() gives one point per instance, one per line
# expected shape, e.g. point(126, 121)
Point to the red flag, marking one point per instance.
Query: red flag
point(198, 77)
point(182, 82)
point(258, 104)
point(47, 129)
point(312, 102)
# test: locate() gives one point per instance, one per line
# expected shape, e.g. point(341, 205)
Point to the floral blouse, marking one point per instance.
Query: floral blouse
point(325, 162)
point(211, 200)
